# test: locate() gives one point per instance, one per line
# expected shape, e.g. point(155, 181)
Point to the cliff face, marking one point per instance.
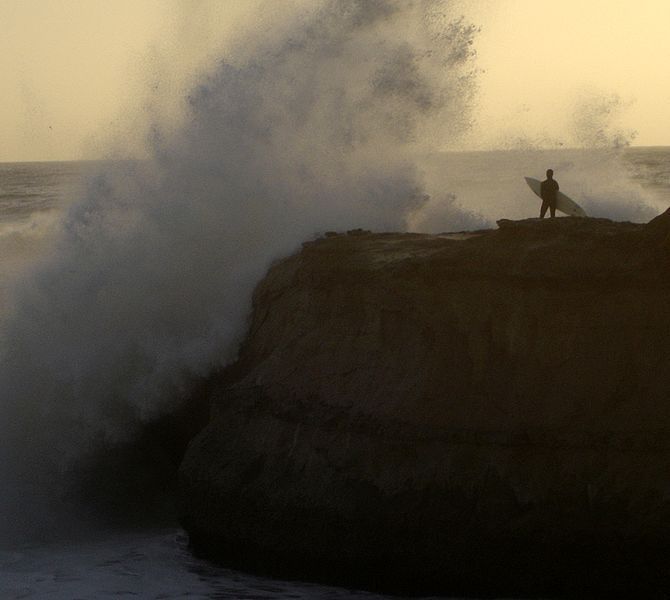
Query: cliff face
point(473, 414)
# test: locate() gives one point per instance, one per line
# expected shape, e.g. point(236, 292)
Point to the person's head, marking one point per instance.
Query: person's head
point(550, 173)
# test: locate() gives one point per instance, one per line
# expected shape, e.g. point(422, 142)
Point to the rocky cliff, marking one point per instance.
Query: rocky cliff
point(473, 414)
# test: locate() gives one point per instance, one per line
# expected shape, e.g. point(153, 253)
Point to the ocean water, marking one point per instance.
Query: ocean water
point(32, 194)
point(36, 198)
point(489, 182)
point(150, 564)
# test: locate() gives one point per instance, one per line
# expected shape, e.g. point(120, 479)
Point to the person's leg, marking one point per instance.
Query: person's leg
point(552, 209)
point(543, 209)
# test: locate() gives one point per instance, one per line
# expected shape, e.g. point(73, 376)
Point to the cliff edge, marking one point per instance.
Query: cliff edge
point(474, 414)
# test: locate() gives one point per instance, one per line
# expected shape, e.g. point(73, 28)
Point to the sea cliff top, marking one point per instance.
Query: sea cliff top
point(578, 249)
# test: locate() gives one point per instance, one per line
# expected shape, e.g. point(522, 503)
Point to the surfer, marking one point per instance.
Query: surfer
point(548, 191)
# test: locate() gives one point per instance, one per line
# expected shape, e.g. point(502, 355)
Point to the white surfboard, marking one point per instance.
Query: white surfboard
point(563, 203)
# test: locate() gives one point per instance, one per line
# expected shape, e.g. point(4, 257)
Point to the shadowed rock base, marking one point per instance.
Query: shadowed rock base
point(481, 415)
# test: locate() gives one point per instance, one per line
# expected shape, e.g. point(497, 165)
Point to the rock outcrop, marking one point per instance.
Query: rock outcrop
point(472, 414)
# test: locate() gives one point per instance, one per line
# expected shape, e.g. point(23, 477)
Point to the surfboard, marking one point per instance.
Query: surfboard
point(563, 203)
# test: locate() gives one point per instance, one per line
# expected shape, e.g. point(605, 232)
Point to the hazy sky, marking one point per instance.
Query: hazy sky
point(75, 73)
point(545, 60)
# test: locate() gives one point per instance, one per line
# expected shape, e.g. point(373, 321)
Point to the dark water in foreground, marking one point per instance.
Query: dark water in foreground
point(140, 565)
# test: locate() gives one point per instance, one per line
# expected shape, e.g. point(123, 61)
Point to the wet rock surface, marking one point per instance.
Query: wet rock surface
point(480, 414)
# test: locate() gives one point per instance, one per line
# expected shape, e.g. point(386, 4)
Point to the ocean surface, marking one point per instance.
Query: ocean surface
point(148, 563)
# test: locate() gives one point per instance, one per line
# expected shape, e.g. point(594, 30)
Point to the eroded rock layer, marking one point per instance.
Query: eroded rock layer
point(473, 414)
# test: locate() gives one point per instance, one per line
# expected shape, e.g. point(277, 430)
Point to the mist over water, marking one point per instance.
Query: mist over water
point(606, 182)
point(149, 279)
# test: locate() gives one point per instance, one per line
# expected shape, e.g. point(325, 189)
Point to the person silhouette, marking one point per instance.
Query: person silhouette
point(548, 191)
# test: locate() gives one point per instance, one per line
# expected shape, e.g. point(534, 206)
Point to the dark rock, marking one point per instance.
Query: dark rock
point(658, 230)
point(483, 415)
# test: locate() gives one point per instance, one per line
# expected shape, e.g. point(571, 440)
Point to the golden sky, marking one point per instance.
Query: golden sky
point(66, 68)
point(542, 58)
point(76, 73)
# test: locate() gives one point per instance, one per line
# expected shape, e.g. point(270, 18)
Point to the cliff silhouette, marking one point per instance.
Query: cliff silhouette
point(484, 413)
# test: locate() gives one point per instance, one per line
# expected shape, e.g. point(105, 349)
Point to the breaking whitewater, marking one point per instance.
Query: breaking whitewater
point(122, 284)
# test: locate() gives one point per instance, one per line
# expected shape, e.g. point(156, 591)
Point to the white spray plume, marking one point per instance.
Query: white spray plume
point(151, 278)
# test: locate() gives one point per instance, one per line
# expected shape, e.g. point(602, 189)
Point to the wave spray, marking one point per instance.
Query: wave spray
point(149, 282)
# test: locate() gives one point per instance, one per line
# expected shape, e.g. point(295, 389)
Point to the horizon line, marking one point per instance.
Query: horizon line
point(462, 151)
